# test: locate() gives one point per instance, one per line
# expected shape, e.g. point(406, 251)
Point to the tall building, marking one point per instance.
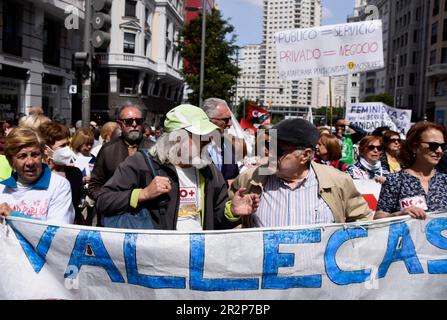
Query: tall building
point(280, 15)
point(375, 82)
point(141, 65)
point(248, 83)
point(36, 50)
point(437, 62)
point(407, 55)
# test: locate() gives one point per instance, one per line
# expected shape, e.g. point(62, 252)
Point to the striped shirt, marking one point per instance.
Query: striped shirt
point(280, 206)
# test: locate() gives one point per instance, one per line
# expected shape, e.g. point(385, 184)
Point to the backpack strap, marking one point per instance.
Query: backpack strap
point(164, 202)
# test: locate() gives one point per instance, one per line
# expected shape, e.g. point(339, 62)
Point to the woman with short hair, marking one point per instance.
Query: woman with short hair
point(58, 157)
point(368, 166)
point(328, 152)
point(33, 190)
point(419, 188)
point(389, 159)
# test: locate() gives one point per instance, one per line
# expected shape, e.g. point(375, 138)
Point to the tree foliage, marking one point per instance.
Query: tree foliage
point(383, 97)
point(221, 72)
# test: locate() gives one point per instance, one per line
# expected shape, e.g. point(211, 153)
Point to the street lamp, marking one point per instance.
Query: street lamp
point(202, 52)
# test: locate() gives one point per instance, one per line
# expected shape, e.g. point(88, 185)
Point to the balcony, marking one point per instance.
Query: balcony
point(436, 70)
point(125, 59)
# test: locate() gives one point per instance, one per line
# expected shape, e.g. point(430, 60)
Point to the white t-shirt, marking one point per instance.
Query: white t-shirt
point(189, 215)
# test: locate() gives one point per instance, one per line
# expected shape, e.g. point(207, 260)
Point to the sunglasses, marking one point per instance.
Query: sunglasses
point(394, 140)
point(129, 121)
point(379, 148)
point(434, 146)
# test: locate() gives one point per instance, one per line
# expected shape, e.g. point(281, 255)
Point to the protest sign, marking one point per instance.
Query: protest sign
point(329, 50)
point(370, 190)
point(372, 115)
point(398, 258)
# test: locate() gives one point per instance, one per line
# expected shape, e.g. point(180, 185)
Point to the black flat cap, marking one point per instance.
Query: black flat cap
point(299, 132)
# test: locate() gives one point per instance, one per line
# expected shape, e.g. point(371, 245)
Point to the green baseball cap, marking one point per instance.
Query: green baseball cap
point(190, 118)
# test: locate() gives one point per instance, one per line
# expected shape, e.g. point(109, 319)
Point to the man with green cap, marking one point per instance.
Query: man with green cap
point(186, 192)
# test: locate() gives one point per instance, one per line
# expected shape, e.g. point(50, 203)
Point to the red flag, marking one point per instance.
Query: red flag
point(256, 116)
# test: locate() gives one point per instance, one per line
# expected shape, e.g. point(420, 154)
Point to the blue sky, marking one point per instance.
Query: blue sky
point(246, 16)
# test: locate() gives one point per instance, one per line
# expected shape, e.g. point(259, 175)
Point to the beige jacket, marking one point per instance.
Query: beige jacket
point(336, 188)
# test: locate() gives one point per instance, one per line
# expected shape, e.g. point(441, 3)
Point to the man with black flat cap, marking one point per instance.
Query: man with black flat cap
point(299, 191)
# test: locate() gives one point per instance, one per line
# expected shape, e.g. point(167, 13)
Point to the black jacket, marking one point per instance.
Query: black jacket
point(134, 173)
point(109, 158)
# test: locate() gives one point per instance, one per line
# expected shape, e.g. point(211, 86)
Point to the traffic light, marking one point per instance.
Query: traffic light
point(80, 61)
point(101, 22)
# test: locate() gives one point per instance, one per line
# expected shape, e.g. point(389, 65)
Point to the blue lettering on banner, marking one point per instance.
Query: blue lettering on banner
point(196, 267)
point(433, 230)
point(333, 271)
point(133, 277)
point(400, 248)
point(91, 240)
point(38, 255)
point(273, 260)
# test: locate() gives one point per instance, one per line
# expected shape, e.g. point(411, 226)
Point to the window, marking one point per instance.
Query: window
point(129, 43)
point(444, 30)
point(12, 28)
point(130, 10)
point(353, 100)
point(411, 80)
point(435, 7)
point(128, 80)
point(444, 55)
point(434, 33)
point(432, 57)
point(51, 42)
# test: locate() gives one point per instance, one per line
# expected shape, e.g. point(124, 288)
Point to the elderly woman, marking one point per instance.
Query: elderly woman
point(389, 159)
point(33, 190)
point(328, 152)
point(368, 165)
point(419, 188)
point(106, 133)
point(82, 144)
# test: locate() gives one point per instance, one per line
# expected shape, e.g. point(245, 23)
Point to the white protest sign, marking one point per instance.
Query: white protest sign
point(398, 258)
point(370, 190)
point(372, 115)
point(329, 50)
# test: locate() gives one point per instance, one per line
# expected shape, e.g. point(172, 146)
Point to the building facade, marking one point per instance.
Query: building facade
point(407, 55)
point(279, 15)
point(248, 83)
point(436, 71)
point(37, 41)
point(141, 64)
point(197, 4)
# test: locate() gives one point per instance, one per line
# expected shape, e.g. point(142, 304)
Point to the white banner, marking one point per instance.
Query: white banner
point(373, 115)
point(329, 50)
point(399, 258)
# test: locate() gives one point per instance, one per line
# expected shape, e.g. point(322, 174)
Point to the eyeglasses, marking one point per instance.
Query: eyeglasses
point(394, 140)
point(129, 121)
point(379, 148)
point(226, 120)
point(434, 146)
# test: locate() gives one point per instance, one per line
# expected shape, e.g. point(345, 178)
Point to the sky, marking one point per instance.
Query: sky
point(246, 16)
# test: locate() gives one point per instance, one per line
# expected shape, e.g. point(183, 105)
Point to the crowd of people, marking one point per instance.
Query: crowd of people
point(191, 174)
